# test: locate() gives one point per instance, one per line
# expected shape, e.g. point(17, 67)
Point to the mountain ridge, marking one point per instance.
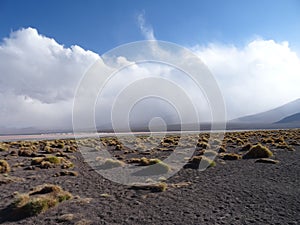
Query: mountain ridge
point(273, 115)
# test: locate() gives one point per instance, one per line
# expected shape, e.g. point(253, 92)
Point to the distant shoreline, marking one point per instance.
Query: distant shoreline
point(63, 135)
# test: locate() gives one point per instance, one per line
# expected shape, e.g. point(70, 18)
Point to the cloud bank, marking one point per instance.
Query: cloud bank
point(262, 75)
point(39, 77)
point(38, 80)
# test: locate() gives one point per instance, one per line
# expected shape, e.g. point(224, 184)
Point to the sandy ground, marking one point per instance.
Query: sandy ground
point(232, 192)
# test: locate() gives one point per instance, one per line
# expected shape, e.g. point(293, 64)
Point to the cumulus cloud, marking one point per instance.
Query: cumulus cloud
point(146, 29)
point(38, 79)
point(262, 75)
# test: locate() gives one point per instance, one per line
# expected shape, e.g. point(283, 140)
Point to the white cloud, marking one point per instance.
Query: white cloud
point(146, 29)
point(39, 77)
point(262, 75)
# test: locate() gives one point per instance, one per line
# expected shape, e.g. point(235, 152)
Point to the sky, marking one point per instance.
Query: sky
point(102, 25)
point(251, 47)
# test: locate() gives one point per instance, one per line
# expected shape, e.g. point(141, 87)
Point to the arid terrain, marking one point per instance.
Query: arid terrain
point(253, 177)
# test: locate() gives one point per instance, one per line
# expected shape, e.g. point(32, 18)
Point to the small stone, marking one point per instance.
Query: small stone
point(29, 168)
point(267, 160)
point(65, 217)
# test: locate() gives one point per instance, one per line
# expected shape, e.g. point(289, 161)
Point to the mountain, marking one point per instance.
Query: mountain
point(273, 115)
point(295, 118)
point(30, 130)
point(285, 116)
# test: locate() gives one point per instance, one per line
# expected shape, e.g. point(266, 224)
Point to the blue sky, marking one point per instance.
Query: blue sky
point(102, 25)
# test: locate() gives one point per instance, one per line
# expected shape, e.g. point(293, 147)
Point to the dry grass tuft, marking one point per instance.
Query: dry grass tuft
point(49, 149)
point(230, 156)
point(3, 147)
point(39, 199)
point(51, 161)
point(195, 161)
point(246, 147)
point(222, 149)
point(203, 145)
point(267, 140)
point(154, 167)
point(155, 187)
point(258, 151)
point(111, 163)
point(26, 151)
point(66, 173)
point(4, 166)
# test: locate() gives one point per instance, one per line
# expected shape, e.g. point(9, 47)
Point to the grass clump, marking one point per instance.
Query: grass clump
point(4, 166)
point(194, 162)
point(59, 144)
point(26, 152)
point(222, 149)
point(66, 173)
point(267, 140)
point(37, 161)
point(154, 167)
point(3, 147)
point(230, 156)
point(267, 160)
point(279, 140)
point(258, 151)
point(49, 149)
point(51, 161)
point(203, 145)
point(70, 149)
point(246, 147)
point(147, 162)
point(154, 187)
point(111, 163)
point(39, 200)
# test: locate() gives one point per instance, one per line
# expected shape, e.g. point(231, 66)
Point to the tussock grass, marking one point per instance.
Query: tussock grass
point(4, 166)
point(66, 173)
point(39, 200)
point(258, 151)
point(111, 163)
point(49, 149)
point(71, 149)
point(222, 149)
point(246, 147)
point(51, 161)
point(203, 145)
point(279, 140)
point(154, 166)
point(230, 156)
point(267, 140)
point(155, 187)
point(27, 151)
point(144, 161)
point(195, 161)
point(3, 147)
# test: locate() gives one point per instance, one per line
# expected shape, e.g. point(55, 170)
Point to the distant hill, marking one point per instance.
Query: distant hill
point(295, 118)
point(273, 115)
point(285, 116)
